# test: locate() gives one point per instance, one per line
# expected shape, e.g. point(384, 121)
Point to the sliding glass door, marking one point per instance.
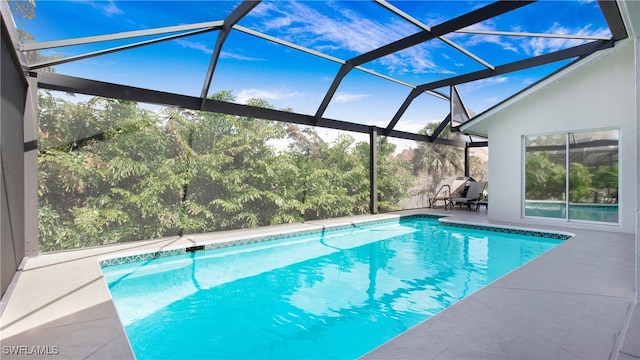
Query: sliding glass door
point(572, 176)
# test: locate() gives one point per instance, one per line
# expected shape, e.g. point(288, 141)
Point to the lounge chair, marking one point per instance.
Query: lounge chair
point(448, 188)
point(474, 193)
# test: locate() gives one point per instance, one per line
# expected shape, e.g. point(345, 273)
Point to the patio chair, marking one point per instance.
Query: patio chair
point(474, 193)
point(448, 188)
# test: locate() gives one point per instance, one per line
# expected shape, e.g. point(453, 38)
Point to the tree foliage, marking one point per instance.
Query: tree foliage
point(580, 181)
point(394, 176)
point(23, 9)
point(433, 164)
point(111, 171)
point(105, 174)
point(545, 179)
point(436, 159)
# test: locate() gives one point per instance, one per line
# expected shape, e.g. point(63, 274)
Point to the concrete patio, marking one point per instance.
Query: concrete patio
point(574, 302)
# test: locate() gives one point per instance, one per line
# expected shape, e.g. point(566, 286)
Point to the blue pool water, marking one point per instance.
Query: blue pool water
point(331, 295)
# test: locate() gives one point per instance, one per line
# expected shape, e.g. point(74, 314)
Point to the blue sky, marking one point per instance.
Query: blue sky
point(287, 78)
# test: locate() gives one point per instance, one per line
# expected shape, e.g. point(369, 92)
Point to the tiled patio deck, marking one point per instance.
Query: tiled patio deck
point(573, 302)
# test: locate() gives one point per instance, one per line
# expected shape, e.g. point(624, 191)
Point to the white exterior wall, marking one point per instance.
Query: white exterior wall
point(597, 94)
point(632, 12)
point(637, 90)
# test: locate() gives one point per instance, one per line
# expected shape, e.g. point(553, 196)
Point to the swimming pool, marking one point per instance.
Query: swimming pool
point(334, 294)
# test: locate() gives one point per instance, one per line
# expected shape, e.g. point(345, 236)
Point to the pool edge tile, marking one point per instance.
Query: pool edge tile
point(548, 234)
point(107, 261)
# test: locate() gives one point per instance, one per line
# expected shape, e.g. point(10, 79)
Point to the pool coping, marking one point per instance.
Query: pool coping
point(77, 316)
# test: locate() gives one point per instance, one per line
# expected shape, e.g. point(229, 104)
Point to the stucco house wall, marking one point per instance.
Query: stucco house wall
point(598, 93)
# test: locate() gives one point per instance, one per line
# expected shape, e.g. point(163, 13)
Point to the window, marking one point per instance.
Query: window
point(577, 171)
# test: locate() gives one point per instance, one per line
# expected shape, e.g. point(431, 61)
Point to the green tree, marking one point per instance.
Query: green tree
point(95, 167)
point(227, 168)
point(545, 180)
point(478, 168)
point(111, 171)
point(394, 176)
point(579, 183)
point(332, 179)
point(438, 160)
point(432, 163)
point(605, 179)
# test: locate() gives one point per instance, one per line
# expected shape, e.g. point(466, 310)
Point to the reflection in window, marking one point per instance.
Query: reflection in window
point(545, 176)
point(589, 174)
point(593, 176)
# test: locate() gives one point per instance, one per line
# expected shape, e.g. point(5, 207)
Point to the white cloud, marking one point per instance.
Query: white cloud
point(346, 97)
point(245, 95)
point(194, 45)
point(107, 7)
point(344, 29)
point(532, 46)
point(492, 39)
point(479, 84)
point(491, 100)
point(415, 60)
point(539, 46)
point(110, 9)
point(475, 40)
point(208, 50)
point(230, 55)
point(528, 81)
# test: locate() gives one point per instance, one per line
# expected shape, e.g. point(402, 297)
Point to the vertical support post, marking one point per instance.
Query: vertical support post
point(637, 65)
point(467, 165)
point(30, 131)
point(373, 169)
point(567, 185)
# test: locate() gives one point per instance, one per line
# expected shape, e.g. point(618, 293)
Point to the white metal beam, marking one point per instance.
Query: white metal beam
point(211, 25)
point(528, 34)
point(114, 49)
